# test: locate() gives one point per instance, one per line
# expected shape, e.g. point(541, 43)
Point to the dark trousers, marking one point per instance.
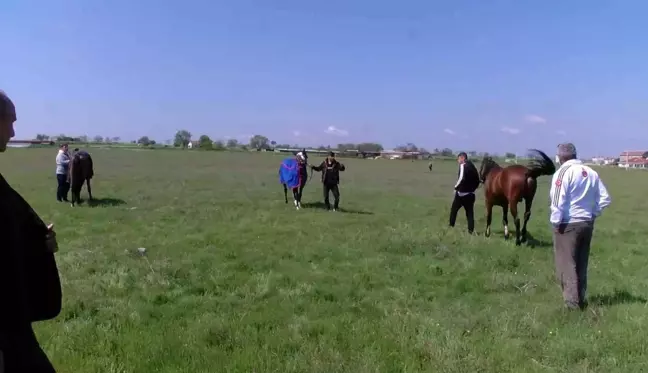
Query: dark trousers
point(21, 353)
point(571, 253)
point(63, 187)
point(468, 203)
point(336, 195)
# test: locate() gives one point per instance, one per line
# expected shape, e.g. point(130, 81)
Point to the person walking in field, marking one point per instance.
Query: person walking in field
point(578, 196)
point(62, 173)
point(30, 287)
point(464, 196)
point(330, 169)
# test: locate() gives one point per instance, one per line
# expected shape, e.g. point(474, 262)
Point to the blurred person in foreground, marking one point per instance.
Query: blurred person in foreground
point(578, 196)
point(30, 288)
point(465, 187)
point(330, 169)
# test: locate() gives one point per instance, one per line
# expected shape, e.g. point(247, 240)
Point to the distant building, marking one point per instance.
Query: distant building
point(627, 156)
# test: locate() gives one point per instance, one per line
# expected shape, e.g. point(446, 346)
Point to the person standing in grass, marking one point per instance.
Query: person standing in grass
point(30, 288)
point(578, 196)
point(330, 169)
point(464, 196)
point(62, 173)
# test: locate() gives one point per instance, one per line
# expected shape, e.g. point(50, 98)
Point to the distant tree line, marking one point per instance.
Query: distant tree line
point(183, 139)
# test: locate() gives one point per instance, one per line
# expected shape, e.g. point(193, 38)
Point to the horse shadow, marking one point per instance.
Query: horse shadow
point(322, 206)
point(532, 242)
point(105, 202)
point(617, 297)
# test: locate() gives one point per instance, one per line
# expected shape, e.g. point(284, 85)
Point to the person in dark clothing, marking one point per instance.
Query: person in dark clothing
point(30, 287)
point(330, 169)
point(464, 196)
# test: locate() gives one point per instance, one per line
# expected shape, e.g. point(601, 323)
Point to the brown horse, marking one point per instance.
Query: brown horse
point(506, 187)
point(81, 171)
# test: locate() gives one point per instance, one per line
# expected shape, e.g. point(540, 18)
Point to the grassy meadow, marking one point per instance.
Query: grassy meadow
point(234, 280)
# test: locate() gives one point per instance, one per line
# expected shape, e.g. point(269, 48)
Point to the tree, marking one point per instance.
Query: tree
point(509, 155)
point(232, 143)
point(218, 145)
point(447, 152)
point(205, 143)
point(644, 155)
point(42, 137)
point(116, 139)
point(144, 141)
point(273, 143)
point(345, 147)
point(369, 147)
point(182, 138)
point(259, 142)
point(83, 138)
point(97, 139)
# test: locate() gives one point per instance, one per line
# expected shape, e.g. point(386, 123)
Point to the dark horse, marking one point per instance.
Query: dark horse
point(81, 171)
point(506, 187)
point(302, 160)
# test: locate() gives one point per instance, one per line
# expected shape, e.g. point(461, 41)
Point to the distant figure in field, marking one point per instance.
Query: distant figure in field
point(81, 171)
point(508, 186)
point(62, 173)
point(30, 287)
point(578, 196)
point(430, 166)
point(464, 196)
point(293, 174)
point(330, 169)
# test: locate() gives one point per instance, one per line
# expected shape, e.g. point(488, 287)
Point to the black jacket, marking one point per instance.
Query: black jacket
point(330, 171)
point(469, 181)
point(30, 288)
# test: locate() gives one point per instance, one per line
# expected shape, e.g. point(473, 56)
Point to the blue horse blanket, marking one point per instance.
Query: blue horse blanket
point(289, 173)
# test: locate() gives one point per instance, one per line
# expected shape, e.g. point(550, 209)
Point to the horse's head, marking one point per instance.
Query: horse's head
point(487, 165)
point(302, 156)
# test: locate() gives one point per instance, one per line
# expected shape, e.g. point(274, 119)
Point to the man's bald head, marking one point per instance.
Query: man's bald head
point(7, 119)
point(566, 152)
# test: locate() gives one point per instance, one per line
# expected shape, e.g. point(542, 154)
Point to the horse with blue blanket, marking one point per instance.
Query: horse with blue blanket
point(293, 174)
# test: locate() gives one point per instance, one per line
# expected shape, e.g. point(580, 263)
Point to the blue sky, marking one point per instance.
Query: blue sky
point(470, 75)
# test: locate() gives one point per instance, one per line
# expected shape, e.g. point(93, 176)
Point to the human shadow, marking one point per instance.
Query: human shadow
point(534, 242)
point(105, 202)
point(617, 297)
point(321, 205)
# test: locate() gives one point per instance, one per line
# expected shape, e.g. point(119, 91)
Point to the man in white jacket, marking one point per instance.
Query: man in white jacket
point(577, 196)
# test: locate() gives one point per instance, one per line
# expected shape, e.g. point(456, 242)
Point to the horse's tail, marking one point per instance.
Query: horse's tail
point(540, 164)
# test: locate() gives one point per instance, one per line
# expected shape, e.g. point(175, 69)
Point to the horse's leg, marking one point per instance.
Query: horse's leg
point(299, 195)
point(285, 192)
point(89, 189)
point(73, 194)
point(505, 221)
point(296, 197)
point(528, 203)
point(489, 217)
point(514, 213)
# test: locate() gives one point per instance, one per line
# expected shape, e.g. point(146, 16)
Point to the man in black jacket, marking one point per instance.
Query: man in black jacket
point(330, 169)
point(465, 188)
point(30, 288)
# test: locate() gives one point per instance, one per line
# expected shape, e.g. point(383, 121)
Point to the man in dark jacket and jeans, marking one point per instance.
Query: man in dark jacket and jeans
point(30, 288)
point(330, 169)
point(465, 188)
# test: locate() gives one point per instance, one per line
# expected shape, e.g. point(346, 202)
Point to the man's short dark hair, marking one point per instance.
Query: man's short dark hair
point(462, 154)
point(331, 154)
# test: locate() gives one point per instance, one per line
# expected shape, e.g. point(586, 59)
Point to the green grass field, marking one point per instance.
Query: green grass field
point(234, 280)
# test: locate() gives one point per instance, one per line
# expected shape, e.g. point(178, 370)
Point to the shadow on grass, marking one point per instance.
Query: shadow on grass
point(105, 202)
point(533, 242)
point(617, 297)
point(321, 205)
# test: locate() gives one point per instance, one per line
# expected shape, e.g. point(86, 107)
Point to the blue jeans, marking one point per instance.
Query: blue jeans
point(63, 187)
